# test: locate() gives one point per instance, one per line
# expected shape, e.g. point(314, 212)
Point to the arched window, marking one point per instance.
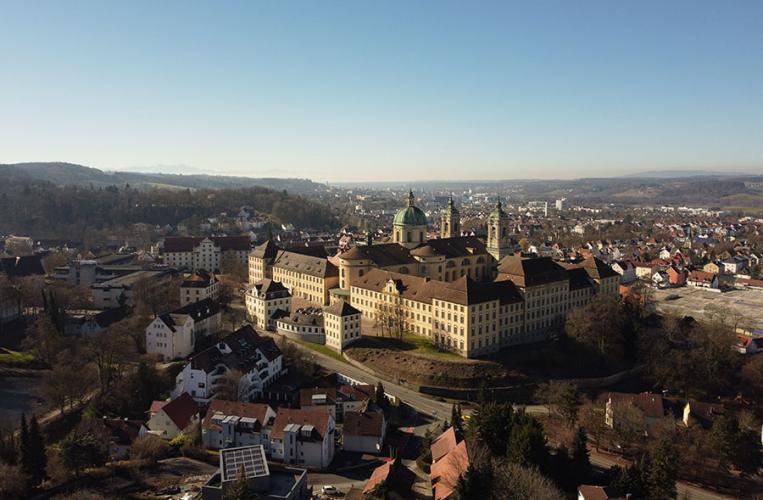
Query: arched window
point(465, 262)
point(409, 237)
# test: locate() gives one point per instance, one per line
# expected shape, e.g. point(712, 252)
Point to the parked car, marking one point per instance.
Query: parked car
point(327, 489)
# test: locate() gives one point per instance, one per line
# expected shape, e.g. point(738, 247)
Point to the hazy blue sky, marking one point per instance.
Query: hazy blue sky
point(362, 90)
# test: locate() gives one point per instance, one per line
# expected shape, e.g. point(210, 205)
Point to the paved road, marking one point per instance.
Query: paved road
point(420, 402)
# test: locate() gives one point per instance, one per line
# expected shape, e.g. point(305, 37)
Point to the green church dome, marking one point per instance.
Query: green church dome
point(410, 215)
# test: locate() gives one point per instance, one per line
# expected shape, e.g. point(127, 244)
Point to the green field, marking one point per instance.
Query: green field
point(9, 358)
point(424, 346)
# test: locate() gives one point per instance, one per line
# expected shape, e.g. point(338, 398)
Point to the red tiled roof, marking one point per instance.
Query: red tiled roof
point(651, 405)
point(443, 444)
point(181, 409)
point(156, 406)
point(237, 408)
point(446, 473)
point(318, 418)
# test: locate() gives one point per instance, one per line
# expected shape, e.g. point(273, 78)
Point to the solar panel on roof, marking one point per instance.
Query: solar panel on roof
point(251, 458)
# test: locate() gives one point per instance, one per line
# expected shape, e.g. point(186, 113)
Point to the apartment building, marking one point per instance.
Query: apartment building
point(174, 335)
point(256, 361)
point(199, 286)
point(234, 423)
point(207, 253)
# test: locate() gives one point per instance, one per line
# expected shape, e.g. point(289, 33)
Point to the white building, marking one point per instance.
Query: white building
point(295, 436)
point(199, 286)
point(364, 431)
point(174, 335)
point(257, 360)
point(341, 324)
point(264, 299)
point(168, 419)
point(205, 252)
point(233, 423)
point(121, 291)
point(303, 437)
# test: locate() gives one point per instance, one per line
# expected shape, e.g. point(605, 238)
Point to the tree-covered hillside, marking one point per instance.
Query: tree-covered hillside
point(44, 209)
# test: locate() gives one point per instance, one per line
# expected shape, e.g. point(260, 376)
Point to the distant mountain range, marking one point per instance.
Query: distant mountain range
point(62, 173)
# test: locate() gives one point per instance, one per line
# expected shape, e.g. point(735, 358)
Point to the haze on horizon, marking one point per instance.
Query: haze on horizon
point(392, 91)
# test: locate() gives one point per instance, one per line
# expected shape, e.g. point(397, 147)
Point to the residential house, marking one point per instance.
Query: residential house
point(256, 361)
point(199, 286)
point(174, 335)
point(337, 401)
point(650, 406)
point(677, 277)
point(364, 431)
point(699, 413)
point(303, 437)
point(702, 279)
point(394, 478)
point(168, 419)
point(122, 433)
point(233, 424)
point(626, 271)
point(712, 268)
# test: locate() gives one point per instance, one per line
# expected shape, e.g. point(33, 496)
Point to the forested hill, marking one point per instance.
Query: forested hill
point(44, 209)
point(71, 174)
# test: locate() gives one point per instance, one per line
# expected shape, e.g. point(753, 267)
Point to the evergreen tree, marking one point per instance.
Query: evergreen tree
point(25, 456)
point(527, 443)
point(83, 450)
point(240, 488)
point(476, 482)
point(662, 471)
point(492, 426)
point(455, 420)
point(581, 462)
point(381, 398)
point(723, 439)
point(36, 450)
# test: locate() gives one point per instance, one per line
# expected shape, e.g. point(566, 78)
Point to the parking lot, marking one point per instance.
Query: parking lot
point(697, 302)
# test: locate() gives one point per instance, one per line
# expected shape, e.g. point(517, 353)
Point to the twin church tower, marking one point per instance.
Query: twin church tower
point(409, 228)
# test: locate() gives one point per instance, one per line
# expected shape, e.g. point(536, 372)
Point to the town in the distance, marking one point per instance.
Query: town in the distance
point(192, 337)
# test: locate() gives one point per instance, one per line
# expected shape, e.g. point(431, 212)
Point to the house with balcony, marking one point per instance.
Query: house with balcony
point(255, 360)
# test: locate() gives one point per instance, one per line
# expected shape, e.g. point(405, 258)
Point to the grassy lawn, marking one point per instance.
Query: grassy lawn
point(321, 349)
point(15, 358)
point(424, 346)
